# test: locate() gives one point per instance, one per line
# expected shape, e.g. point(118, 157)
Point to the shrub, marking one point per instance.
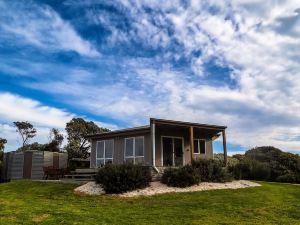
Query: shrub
point(241, 170)
point(122, 178)
point(0, 171)
point(231, 161)
point(260, 171)
point(252, 169)
point(211, 170)
point(278, 165)
point(181, 177)
point(288, 178)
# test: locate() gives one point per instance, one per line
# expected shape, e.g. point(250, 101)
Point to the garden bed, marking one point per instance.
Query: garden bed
point(91, 188)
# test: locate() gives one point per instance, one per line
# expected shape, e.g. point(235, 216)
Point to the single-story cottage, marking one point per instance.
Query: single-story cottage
point(161, 143)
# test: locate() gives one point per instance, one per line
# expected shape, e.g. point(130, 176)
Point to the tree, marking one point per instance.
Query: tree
point(35, 146)
point(77, 129)
point(26, 131)
point(55, 140)
point(2, 145)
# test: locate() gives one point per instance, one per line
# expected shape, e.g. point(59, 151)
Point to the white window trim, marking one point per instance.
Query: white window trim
point(104, 150)
point(198, 140)
point(134, 156)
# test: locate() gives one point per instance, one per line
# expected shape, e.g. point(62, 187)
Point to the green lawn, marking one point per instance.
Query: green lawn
point(26, 202)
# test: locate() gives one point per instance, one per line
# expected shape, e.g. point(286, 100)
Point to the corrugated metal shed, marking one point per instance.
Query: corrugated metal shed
point(29, 164)
point(17, 166)
point(37, 165)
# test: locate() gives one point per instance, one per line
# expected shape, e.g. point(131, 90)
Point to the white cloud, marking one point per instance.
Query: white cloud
point(262, 109)
point(41, 26)
point(14, 141)
point(250, 121)
point(15, 108)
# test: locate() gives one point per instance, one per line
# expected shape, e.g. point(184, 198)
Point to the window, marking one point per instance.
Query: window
point(104, 152)
point(199, 146)
point(134, 150)
point(196, 146)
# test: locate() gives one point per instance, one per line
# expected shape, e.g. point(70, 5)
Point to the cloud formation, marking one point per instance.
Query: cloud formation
point(17, 108)
point(234, 63)
point(42, 27)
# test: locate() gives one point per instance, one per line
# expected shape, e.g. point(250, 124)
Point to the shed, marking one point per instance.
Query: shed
point(29, 164)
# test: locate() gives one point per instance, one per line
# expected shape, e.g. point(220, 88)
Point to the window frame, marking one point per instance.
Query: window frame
point(199, 152)
point(134, 155)
point(104, 151)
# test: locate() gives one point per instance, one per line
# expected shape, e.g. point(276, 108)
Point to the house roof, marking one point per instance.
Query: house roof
point(146, 128)
point(121, 131)
point(187, 124)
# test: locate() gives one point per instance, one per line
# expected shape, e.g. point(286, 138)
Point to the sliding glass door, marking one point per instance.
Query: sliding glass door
point(172, 148)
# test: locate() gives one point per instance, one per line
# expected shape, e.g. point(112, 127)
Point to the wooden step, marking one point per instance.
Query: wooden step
point(79, 176)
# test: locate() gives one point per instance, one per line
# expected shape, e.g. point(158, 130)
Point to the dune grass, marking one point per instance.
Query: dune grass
point(27, 202)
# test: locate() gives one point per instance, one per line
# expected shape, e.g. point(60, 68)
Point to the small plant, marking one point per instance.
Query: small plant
point(123, 178)
point(180, 177)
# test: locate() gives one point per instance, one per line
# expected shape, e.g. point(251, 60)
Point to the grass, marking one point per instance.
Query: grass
point(26, 202)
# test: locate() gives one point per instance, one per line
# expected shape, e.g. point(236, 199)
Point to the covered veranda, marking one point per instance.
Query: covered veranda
point(189, 132)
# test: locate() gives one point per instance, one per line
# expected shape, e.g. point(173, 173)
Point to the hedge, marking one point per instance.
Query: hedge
point(201, 170)
point(180, 177)
point(123, 178)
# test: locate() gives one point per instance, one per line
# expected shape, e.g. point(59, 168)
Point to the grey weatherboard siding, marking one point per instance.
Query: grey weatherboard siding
point(205, 133)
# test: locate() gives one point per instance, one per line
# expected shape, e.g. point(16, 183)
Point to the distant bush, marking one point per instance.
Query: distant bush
point(288, 178)
point(270, 164)
point(0, 171)
point(252, 169)
point(211, 170)
point(184, 176)
point(123, 178)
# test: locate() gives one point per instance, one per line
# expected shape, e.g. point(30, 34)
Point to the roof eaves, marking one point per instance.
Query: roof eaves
point(182, 123)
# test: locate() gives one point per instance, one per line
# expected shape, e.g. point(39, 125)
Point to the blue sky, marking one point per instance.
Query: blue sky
point(233, 63)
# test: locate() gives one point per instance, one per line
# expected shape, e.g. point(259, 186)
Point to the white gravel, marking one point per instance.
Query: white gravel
point(91, 188)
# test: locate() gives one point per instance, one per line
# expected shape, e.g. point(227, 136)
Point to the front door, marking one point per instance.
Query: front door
point(172, 151)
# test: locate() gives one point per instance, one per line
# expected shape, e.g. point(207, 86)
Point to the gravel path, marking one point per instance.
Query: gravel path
point(91, 188)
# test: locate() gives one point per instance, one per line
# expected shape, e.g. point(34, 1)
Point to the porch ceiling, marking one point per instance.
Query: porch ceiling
point(209, 130)
point(197, 131)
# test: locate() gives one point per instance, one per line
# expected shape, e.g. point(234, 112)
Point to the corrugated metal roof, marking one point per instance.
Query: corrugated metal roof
point(158, 121)
point(132, 129)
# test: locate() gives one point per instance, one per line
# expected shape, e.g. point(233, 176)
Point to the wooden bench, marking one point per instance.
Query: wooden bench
point(53, 173)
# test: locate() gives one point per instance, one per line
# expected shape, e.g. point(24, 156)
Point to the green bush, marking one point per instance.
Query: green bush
point(288, 178)
point(252, 169)
point(272, 164)
point(0, 171)
point(123, 178)
point(211, 170)
point(77, 164)
point(184, 176)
